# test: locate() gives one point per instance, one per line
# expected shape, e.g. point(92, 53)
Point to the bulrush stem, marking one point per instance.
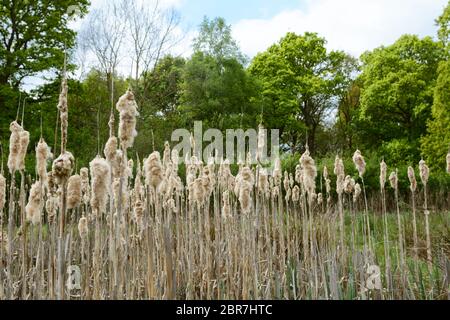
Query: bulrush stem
point(11, 223)
point(61, 254)
point(427, 229)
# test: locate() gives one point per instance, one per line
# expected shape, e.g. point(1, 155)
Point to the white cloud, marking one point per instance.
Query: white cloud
point(350, 25)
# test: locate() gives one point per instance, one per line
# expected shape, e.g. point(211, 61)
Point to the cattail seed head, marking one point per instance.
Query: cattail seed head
point(153, 170)
point(245, 196)
point(14, 146)
point(339, 172)
point(85, 188)
point(357, 192)
point(424, 172)
point(100, 184)
point(83, 228)
point(393, 180)
point(226, 208)
point(43, 154)
point(295, 194)
point(319, 199)
point(127, 108)
point(359, 162)
point(383, 172)
point(325, 172)
point(33, 207)
point(349, 185)
point(412, 179)
point(74, 192)
point(24, 141)
point(62, 167)
point(309, 172)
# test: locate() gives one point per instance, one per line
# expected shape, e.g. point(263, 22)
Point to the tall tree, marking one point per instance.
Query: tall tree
point(397, 91)
point(215, 40)
point(220, 93)
point(33, 35)
point(436, 143)
point(300, 83)
point(216, 87)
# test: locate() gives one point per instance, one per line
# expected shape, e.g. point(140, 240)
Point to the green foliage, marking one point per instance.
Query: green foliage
point(443, 22)
point(397, 90)
point(436, 144)
point(218, 92)
point(215, 40)
point(299, 81)
point(158, 96)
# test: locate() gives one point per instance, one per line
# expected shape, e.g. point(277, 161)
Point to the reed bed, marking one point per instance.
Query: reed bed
point(136, 230)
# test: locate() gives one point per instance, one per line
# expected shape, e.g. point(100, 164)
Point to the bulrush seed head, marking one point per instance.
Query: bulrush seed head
point(127, 108)
point(62, 167)
point(33, 207)
point(359, 162)
point(74, 192)
point(424, 172)
point(412, 179)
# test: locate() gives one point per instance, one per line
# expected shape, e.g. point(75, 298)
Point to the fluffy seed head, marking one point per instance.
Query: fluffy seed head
point(74, 192)
point(349, 185)
point(393, 180)
point(62, 167)
point(127, 108)
point(83, 227)
point(295, 194)
point(383, 172)
point(14, 146)
point(43, 154)
point(309, 172)
point(85, 188)
point(424, 172)
point(357, 192)
point(325, 172)
point(100, 183)
point(226, 208)
point(359, 162)
point(412, 179)
point(245, 197)
point(339, 172)
point(33, 207)
point(153, 170)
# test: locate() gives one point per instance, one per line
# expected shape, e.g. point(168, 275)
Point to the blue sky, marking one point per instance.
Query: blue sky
point(234, 10)
point(353, 26)
point(350, 25)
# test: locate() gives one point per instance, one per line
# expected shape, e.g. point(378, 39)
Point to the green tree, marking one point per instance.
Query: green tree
point(215, 40)
point(300, 82)
point(346, 123)
point(33, 35)
point(443, 22)
point(220, 93)
point(397, 92)
point(436, 144)
point(158, 96)
point(216, 87)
